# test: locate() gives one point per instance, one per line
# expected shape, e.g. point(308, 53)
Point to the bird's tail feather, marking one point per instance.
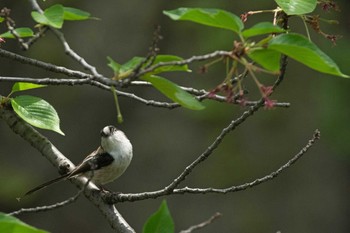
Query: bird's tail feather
point(44, 185)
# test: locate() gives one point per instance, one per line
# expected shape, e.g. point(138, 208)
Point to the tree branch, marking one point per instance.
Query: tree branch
point(58, 160)
point(117, 197)
point(200, 94)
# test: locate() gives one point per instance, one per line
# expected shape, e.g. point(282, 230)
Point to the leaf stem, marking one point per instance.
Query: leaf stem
point(119, 114)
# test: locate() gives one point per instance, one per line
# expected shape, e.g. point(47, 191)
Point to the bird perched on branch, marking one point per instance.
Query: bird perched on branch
point(105, 164)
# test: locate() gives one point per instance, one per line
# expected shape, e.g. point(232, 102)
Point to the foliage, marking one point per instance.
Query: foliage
point(34, 110)
point(11, 224)
point(160, 222)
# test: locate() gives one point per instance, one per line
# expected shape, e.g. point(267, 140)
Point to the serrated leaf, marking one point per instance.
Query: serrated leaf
point(75, 14)
point(174, 92)
point(52, 16)
point(210, 17)
point(262, 28)
point(301, 49)
point(36, 112)
point(297, 7)
point(267, 58)
point(21, 32)
point(160, 222)
point(10, 224)
point(22, 86)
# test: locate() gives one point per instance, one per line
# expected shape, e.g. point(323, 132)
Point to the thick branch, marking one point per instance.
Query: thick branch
point(58, 160)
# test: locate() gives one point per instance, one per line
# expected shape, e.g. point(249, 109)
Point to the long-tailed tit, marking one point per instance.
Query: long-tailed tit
point(105, 164)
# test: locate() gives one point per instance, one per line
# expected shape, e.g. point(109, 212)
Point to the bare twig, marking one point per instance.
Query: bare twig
point(201, 94)
point(204, 57)
point(112, 198)
point(203, 224)
point(256, 182)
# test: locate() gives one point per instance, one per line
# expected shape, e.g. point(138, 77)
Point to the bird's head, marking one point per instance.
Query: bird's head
point(113, 139)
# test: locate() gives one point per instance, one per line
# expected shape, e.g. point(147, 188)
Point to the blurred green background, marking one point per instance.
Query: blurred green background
point(312, 196)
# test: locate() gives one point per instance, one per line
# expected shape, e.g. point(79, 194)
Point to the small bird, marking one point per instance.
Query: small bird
point(105, 164)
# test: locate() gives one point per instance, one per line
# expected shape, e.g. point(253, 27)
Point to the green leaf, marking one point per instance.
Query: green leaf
point(2, 19)
point(301, 49)
point(75, 14)
point(210, 17)
point(10, 224)
point(267, 58)
point(114, 65)
point(160, 222)
point(21, 32)
point(126, 68)
point(262, 28)
point(22, 86)
point(174, 92)
point(36, 112)
point(170, 68)
point(53, 16)
point(121, 71)
point(131, 64)
point(297, 7)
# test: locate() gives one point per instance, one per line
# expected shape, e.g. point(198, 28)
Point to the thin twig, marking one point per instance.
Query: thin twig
point(203, 224)
point(204, 57)
point(258, 181)
point(201, 94)
point(117, 197)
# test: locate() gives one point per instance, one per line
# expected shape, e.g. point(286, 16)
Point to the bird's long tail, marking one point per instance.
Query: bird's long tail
point(44, 185)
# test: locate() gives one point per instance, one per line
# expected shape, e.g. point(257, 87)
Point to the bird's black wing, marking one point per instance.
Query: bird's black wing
point(95, 161)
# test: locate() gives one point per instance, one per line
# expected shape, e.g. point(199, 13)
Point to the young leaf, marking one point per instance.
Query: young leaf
point(114, 65)
point(262, 28)
point(130, 65)
point(301, 49)
point(174, 92)
point(36, 112)
point(122, 71)
point(53, 16)
point(267, 58)
point(170, 68)
point(210, 17)
point(160, 222)
point(297, 7)
point(11, 224)
point(22, 86)
point(21, 32)
point(75, 14)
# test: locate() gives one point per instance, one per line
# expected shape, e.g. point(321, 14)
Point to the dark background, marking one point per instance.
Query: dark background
point(312, 196)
